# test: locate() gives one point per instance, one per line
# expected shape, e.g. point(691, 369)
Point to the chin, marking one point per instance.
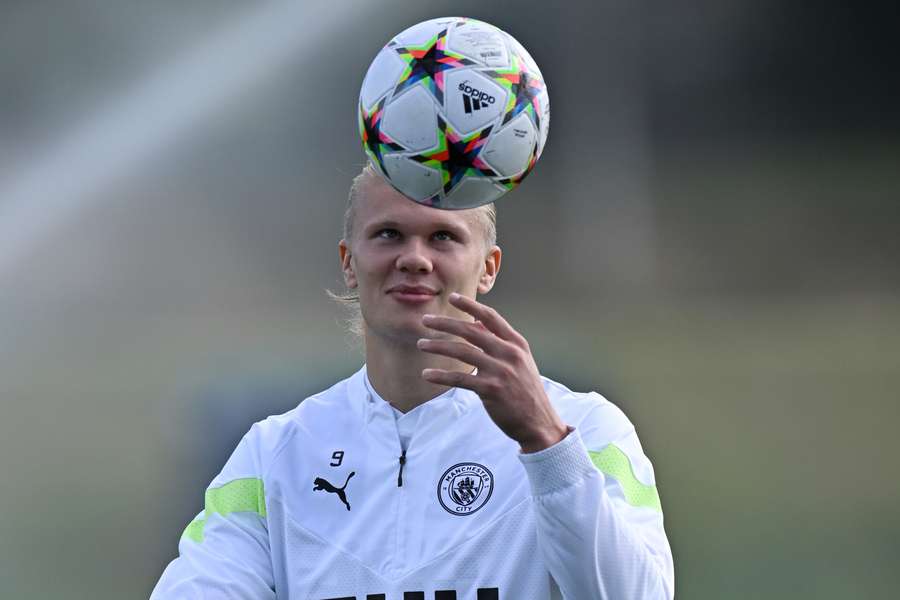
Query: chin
point(408, 329)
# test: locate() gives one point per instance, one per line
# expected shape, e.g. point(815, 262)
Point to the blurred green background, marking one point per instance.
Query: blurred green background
point(710, 240)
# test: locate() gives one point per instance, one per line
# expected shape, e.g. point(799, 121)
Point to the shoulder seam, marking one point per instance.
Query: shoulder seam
point(290, 436)
point(558, 385)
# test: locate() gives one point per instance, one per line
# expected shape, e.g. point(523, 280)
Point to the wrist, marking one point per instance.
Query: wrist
point(545, 439)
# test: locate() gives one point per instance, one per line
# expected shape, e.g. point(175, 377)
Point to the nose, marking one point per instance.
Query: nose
point(414, 258)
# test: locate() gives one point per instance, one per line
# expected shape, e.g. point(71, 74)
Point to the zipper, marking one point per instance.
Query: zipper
point(399, 561)
point(400, 474)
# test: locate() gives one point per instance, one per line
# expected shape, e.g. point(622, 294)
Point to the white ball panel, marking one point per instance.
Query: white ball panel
point(422, 32)
point(544, 101)
point(471, 100)
point(509, 149)
point(471, 192)
point(381, 77)
point(410, 119)
point(480, 42)
point(413, 179)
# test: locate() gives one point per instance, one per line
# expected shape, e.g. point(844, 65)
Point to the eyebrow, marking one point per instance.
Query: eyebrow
point(437, 226)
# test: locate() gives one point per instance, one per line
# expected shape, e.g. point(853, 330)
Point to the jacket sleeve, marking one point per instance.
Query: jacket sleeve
point(224, 552)
point(599, 519)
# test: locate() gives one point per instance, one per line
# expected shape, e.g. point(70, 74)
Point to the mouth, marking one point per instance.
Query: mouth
point(412, 294)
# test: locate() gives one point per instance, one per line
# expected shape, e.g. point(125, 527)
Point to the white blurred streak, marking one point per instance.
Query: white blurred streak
point(147, 120)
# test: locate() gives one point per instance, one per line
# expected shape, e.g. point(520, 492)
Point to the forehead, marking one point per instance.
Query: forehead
point(379, 202)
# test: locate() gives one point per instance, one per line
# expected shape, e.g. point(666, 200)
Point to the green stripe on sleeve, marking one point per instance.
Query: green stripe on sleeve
point(194, 530)
point(240, 495)
point(613, 462)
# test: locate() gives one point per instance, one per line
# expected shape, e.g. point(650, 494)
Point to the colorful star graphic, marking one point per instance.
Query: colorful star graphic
point(375, 141)
point(456, 156)
point(427, 63)
point(524, 89)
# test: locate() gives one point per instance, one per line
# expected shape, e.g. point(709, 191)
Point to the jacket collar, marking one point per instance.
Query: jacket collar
point(442, 408)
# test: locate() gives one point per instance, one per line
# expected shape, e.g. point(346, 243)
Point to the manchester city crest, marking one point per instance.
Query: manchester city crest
point(464, 488)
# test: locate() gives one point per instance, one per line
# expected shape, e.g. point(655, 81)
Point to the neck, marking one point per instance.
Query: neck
point(395, 371)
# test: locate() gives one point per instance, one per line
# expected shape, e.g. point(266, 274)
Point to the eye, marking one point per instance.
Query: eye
point(387, 233)
point(444, 236)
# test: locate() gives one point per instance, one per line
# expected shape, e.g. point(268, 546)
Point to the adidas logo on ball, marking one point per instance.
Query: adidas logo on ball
point(473, 98)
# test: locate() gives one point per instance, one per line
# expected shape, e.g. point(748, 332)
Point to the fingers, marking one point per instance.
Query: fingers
point(455, 379)
point(491, 319)
point(475, 334)
point(467, 353)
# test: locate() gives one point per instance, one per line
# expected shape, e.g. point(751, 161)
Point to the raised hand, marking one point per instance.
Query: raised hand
point(507, 379)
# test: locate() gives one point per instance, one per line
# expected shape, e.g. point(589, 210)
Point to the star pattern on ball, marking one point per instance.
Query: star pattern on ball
point(456, 157)
point(524, 90)
point(427, 63)
point(375, 141)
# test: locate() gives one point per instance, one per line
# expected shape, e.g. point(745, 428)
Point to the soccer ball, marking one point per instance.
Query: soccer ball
point(454, 113)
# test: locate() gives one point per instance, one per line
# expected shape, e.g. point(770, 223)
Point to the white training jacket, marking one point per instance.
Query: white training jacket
point(315, 504)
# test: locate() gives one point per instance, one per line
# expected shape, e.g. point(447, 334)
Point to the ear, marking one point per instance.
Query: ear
point(347, 265)
point(490, 271)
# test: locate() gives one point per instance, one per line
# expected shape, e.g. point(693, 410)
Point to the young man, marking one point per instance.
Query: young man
point(446, 468)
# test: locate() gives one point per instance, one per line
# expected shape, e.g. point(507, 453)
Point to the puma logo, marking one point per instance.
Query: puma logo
point(323, 484)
